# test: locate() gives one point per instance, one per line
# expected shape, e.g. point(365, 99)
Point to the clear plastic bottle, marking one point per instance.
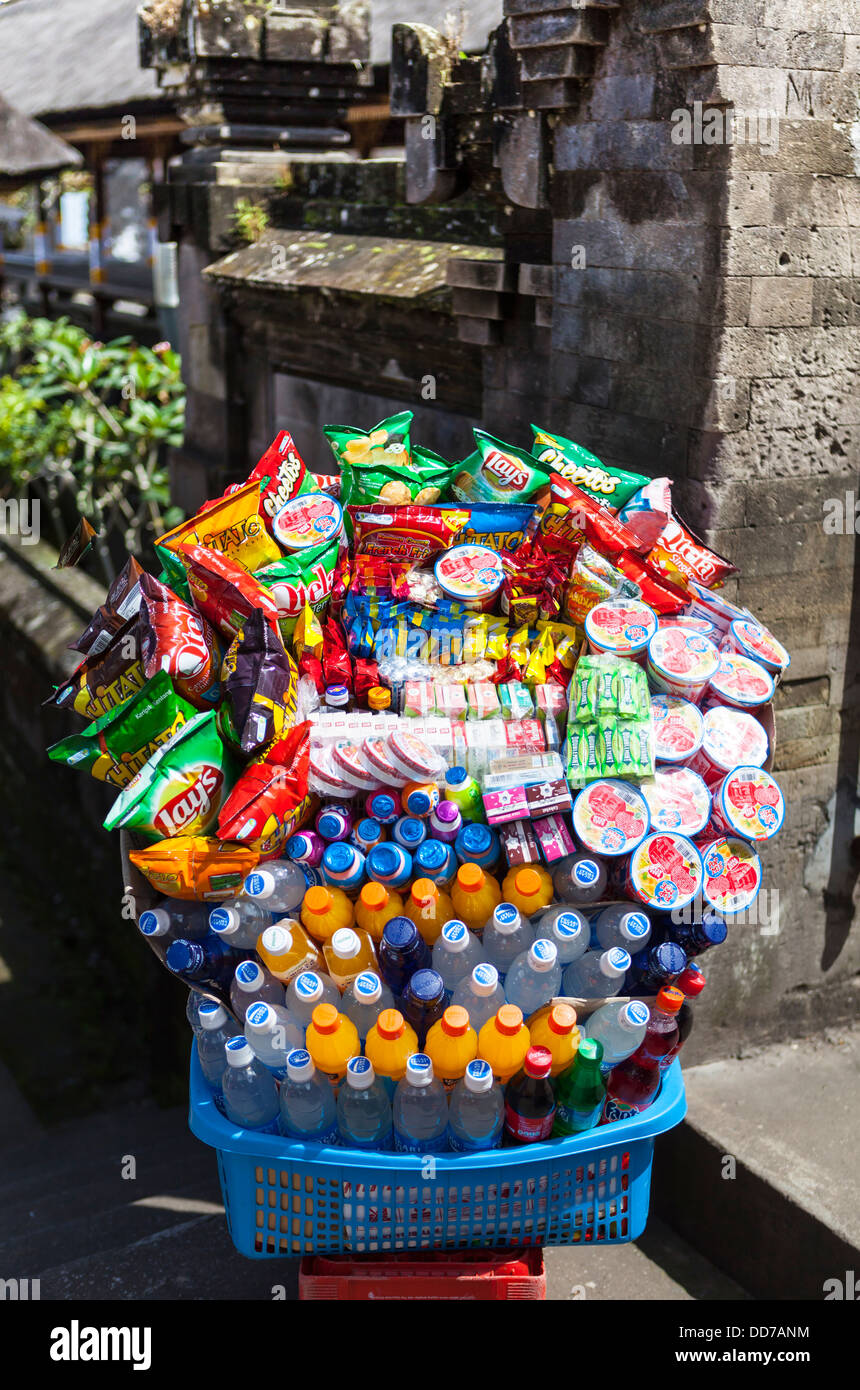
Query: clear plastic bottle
point(480, 994)
point(596, 975)
point(535, 977)
point(273, 1033)
point(173, 919)
point(580, 879)
point(252, 984)
point(250, 1090)
point(193, 1005)
point(306, 990)
point(619, 1028)
point(279, 885)
point(456, 954)
point(364, 1117)
point(216, 1027)
point(568, 930)
point(240, 922)
point(622, 924)
point(420, 1109)
point(506, 935)
point(476, 1113)
point(308, 1109)
point(363, 1001)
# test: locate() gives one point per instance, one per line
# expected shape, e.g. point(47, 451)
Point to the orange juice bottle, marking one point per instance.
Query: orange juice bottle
point(377, 905)
point(451, 1045)
point(556, 1030)
point(286, 949)
point(429, 908)
point(504, 1041)
point(473, 896)
point(331, 1040)
point(388, 1044)
point(347, 952)
point(530, 889)
point(324, 910)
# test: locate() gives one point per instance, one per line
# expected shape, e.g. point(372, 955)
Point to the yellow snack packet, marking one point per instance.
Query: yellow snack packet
point(308, 633)
point(233, 527)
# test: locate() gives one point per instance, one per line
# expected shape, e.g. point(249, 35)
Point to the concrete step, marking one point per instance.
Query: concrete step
point(658, 1267)
point(762, 1177)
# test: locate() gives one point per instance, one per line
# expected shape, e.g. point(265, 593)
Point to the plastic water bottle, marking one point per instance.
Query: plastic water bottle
point(278, 887)
point(420, 1109)
point(480, 994)
point(216, 1027)
point(363, 1001)
point(597, 974)
point(535, 976)
point(273, 1033)
point(568, 930)
point(456, 953)
point(253, 984)
point(580, 879)
point(308, 1109)
point(193, 1006)
point(619, 1028)
point(363, 1108)
point(622, 924)
point(476, 1114)
point(250, 1090)
point(306, 990)
point(240, 922)
point(172, 919)
point(505, 936)
point(208, 962)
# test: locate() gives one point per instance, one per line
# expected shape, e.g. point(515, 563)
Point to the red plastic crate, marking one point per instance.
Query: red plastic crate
point(483, 1275)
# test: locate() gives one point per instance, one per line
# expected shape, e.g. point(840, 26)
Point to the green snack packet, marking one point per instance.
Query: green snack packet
point(607, 726)
point(588, 753)
point(306, 576)
point(381, 466)
point(584, 691)
point(498, 472)
point(179, 791)
point(607, 688)
point(611, 486)
point(174, 574)
point(114, 748)
point(629, 698)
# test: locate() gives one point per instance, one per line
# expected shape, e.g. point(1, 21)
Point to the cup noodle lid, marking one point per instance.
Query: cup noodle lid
point(677, 800)
point(740, 682)
point(665, 871)
point(706, 627)
point(610, 817)
point(749, 803)
point(678, 728)
point(623, 627)
point(308, 520)
point(680, 654)
point(732, 872)
point(750, 639)
point(469, 572)
point(708, 604)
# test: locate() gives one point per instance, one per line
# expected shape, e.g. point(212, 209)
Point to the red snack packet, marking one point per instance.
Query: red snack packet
point(283, 470)
point(406, 532)
point(556, 674)
point(337, 667)
point(507, 670)
point(340, 582)
point(366, 677)
point(175, 639)
point(271, 799)
point(679, 555)
point(224, 592)
point(312, 666)
point(662, 595)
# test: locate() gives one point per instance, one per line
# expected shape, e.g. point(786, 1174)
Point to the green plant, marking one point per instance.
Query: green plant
point(93, 418)
point(251, 219)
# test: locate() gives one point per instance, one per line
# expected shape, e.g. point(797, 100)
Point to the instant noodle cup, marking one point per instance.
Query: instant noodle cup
point(414, 759)
point(709, 604)
point(196, 867)
point(665, 871)
point(623, 627)
point(732, 875)
point(749, 638)
point(730, 738)
point(704, 626)
point(678, 728)
point(681, 662)
point(232, 526)
point(116, 746)
point(677, 800)
point(748, 803)
point(470, 574)
point(308, 521)
point(741, 682)
point(610, 817)
point(179, 791)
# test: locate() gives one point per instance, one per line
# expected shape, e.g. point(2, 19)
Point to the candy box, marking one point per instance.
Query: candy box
point(549, 798)
point(525, 736)
point(418, 699)
point(554, 838)
point(516, 701)
point(510, 803)
point(483, 700)
point(519, 844)
point(450, 701)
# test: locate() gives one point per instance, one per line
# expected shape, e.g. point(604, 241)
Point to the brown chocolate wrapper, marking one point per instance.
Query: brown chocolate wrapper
point(76, 546)
point(122, 602)
point(261, 682)
point(519, 844)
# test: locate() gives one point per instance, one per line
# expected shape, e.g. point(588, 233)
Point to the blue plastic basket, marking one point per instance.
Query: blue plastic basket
point(285, 1198)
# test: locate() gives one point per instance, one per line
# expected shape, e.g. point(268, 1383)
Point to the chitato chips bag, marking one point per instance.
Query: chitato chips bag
point(232, 526)
point(281, 475)
point(177, 640)
point(116, 747)
point(261, 682)
point(105, 680)
point(180, 789)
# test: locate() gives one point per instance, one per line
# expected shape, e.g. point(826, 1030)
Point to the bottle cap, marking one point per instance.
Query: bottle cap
point(691, 981)
point(368, 831)
point(567, 926)
point(183, 955)
point(325, 1018)
point(260, 884)
point(447, 812)
point(538, 1062)
point(527, 883)
point(456, 776)
point(470, 877)
point(211, 1015)
point(387, 860)
point(299, 1065)
point(455, 1021)
point(669, 999)
point(590, 1050)
point(399, 933)
point(543, 954)
point(374, 896)
point(634, 925)
point(308, 986)
point(391, 1024)
point(509, 1020)
point(562, 1019)
point(359, 1073)
point(614, 963)
point(367, 987)
point(506, 918)
point(238, 1051)
point(378, 697)
point(432, 854)
point(634, 1015)
point(278, 941)
point(260, 1018)
point(417, 801)
point(455, 935)
point(345, 943)
point(410, 830)
point(669, 957)
point(154, 922)
point(476, 839)
point(419, 1069)
point(341, 858)
point(424, 892)
point(248, 975)
point(485, 978)
point(479, 1076)
point(223, 920)
point(426, 986)
point(318, 901)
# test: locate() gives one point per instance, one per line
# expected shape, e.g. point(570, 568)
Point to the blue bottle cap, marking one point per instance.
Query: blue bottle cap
point(341, 859)
point(668, 957)
point(432, 855)
point(388, 861)
point(475, 839)
point(410, 831)
point(586, 872)
point(455, 776)
point(182, 955)
point(714, 931)
point(296, 845)
point(382, 806)
point(368, 831)
point(331, 823)
point(419, 803)
point(399, 933)
point(426, 986)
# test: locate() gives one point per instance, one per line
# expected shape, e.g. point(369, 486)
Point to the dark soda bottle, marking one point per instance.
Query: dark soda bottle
point(690, 982)
point(580, 1091)
point(633, 1085)
point(530, 1100)
point(695, 938)
point(654, 967)
point(424, 1001)
point(402, 951)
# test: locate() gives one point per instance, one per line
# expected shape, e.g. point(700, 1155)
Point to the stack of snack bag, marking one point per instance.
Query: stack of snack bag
point(468, 758)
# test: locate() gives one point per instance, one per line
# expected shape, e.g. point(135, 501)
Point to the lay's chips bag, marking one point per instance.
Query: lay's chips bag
point(114, 748)
point(498, 472)
point(180, 789)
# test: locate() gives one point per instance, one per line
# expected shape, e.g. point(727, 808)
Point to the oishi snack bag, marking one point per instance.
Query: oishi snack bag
point(116, 746)
point(294, 581)
point(260, 681)
point(233, 526)
point(105, 680)
point(180, 790)
point(610, 486)
point(174, 638)
point(196, 867)
point(498, 472)
point(224, 592)
point(122, 602)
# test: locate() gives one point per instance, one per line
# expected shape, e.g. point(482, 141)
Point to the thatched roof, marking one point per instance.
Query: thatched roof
point(61, 56)
point(28, 151)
